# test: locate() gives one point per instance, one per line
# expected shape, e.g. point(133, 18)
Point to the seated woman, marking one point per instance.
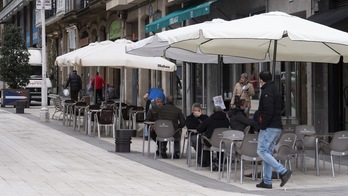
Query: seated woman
point(238, 118)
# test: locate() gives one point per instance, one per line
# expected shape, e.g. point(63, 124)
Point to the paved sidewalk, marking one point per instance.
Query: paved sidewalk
point(42, 159)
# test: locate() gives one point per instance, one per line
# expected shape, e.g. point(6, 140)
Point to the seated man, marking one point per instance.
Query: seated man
point(152, 115)
point(192, 122)
point(217, 120)
point(238, 118)
point(170, 112)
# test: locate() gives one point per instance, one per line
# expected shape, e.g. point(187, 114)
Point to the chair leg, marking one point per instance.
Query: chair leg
point(173, 149)
point(241, 171)
point(332, 167)
point(183, 146)
point(211, 161)
point(144, 139)
point(148, 144)
point(113, 131)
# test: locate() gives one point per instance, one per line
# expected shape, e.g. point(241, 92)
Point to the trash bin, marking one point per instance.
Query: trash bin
point(124, 139)
point(20, 105)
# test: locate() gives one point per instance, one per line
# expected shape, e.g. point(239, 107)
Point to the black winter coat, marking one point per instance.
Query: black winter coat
point(75, 82)
point(270, 106)
point(170, 112)
point(216, 120)
point(238, 120)
point(193, 122)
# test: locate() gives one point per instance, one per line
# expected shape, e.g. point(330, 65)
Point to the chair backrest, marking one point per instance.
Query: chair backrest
point(107, 104)
point(57, 101)
point(306, 134)
point(339, 142)
point(216, 136)
point(94, 107)
point(249, 145)
point(289, 128)
point(235, 135)
point(106, 116)
point(69, 101)
point(288, 139)
point(81, 103)
point(246, 130)
point(231, 135)
point(164, 128)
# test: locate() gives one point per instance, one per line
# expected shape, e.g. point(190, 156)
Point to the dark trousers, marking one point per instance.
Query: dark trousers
point(163, 146)
point(147, 106)
point(74, 95)
point(99, 95)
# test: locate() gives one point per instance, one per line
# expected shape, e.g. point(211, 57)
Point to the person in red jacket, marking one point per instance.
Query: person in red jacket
point(98, 83)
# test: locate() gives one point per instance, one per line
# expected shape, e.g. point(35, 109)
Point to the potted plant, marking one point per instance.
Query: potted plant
point(14, 66)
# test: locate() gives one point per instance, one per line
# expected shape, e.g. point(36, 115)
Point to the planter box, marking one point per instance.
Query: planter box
point(11, 96)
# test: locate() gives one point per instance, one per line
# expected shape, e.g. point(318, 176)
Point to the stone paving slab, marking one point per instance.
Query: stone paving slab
point(36, 159)
point(53, 159)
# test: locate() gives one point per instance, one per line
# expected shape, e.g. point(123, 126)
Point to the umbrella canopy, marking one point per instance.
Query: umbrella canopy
point(281, 36)
point(158, 45)
point(113, 54)
point(62, 60)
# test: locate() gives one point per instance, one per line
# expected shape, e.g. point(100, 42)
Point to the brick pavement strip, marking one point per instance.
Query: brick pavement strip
point(50, 158)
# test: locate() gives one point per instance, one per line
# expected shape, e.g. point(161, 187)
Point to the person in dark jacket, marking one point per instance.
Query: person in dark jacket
point(170, 112)
point(238, 119)
point(192, 122)
point(152, 115)
point(75, 83)
point(270, 129)
point(217, 120)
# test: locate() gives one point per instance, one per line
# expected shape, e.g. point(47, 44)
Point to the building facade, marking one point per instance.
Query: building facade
point(313, 93)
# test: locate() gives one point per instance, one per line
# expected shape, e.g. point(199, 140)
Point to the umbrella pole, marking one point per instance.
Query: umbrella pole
point(121, 98)
point(274, 58)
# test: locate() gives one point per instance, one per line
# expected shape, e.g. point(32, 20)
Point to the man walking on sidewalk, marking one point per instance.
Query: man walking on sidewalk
point(270, 121)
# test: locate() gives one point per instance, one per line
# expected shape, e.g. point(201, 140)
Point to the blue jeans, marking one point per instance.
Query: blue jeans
point(265, 147)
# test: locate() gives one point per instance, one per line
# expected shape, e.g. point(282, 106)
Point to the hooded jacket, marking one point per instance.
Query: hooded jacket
point(238, 120)
point(216, 120)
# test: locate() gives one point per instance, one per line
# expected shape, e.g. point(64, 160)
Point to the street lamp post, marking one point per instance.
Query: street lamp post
point(44, 112)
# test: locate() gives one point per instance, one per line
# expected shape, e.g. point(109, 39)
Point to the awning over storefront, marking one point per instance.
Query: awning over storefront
point(330, 17)
point(179, 16)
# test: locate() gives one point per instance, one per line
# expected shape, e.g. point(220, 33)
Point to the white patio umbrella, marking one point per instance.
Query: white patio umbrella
point(113, 54)
point(281, 36)
point(158, 45)
point(62, 60)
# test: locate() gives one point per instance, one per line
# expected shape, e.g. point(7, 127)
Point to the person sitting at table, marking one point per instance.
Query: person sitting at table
point(217, 120)
point(152, 115)
point(192, 122)
point(238, 118)
point(170, 112)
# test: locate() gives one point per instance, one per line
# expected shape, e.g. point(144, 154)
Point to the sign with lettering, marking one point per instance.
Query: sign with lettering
point(47, 4)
